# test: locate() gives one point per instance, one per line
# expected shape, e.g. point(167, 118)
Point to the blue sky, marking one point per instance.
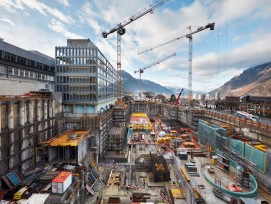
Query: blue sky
point(241, 39)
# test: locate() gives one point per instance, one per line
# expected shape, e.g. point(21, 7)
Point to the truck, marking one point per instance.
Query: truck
point(242, 114)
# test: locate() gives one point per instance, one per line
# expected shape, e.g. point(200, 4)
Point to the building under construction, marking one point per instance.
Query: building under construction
point(40, 139)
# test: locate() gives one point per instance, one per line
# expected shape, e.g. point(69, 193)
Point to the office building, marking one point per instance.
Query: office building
point(22, 71)
point(85, 78)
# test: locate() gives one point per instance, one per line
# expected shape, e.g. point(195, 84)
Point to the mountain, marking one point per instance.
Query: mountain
point(177, 90)
point(131, 84)
point(255, 81)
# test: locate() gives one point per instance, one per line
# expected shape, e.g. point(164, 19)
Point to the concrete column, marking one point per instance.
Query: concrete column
point(30, 109)
point(22, 121)
point(22, 113)
point(10, 116)
point(50, 103)
point(53, 108)
point(45, 105)
point(39, 112)
point(45, 116)
point(11, 135)
point(25, 113)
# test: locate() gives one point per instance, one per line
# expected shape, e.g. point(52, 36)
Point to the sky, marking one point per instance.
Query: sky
point(241, 39)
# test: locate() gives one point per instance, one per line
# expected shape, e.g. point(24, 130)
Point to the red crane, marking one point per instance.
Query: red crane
point(177, 100)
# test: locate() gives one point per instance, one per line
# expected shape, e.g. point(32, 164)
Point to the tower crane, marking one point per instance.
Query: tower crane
point(189, 35)
point(121, 31)
point(141, 70)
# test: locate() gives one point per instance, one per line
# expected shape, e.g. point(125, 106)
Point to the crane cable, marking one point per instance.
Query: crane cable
point(226, 41)
point(218, 46)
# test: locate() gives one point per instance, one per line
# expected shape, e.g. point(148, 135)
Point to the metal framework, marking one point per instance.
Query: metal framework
point(189, 36)
point(141, 70)
point(121, 31)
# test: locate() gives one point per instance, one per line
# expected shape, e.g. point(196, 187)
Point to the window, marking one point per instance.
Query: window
point(10, 71)
point(2, 54)
point(16, 72)
point(3, 70)
point(21, 73)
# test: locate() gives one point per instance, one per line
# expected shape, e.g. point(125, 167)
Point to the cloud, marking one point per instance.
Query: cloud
point(32, 38)
point(44, 10)
point(64, 2)
point(26, 13)
point(88, 16)
point(6, 20)
point(246, 22)
point(11, 5)
point(58, 27)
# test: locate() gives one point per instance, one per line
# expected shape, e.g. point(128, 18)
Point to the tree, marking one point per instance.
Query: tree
point(172, 98)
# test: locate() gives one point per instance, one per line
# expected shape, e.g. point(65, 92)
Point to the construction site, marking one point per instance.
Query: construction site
point(142, 152)
point(82, 143)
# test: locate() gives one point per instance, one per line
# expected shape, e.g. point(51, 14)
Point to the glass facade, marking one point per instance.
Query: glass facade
point(83, 74)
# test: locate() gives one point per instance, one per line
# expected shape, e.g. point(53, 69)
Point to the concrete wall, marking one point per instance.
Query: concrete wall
point(103, 105)
point(82, 149)
point(24, 123)
point(15, 86)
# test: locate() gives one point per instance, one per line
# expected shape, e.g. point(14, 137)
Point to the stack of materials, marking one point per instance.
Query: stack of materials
point(192, 169)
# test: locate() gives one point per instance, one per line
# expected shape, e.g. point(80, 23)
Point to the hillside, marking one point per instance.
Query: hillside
point(185, 91)
point(131, 84)
point(254, 81)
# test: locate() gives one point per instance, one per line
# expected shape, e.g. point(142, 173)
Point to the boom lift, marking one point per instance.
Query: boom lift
point(177, 100)
point(141, 70)
point(211, 26)
point(121, 31)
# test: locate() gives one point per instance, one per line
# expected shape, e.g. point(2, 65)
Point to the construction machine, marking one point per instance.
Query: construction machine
point(177, 100)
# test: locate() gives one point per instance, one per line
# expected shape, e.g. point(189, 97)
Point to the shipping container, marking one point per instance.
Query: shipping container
point(61, 182)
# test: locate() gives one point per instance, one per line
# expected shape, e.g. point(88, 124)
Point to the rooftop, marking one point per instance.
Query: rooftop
point(68, 138)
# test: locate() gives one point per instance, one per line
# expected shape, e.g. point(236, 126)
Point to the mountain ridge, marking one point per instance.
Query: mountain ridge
point(255, 81)
point(131, 84)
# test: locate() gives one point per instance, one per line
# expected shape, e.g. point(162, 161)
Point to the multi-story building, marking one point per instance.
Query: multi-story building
point(22, 71)
point(85, 78)
point(28, 116)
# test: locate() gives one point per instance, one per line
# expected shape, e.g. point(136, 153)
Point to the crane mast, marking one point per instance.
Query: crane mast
point(190, 70)
point(141, 70)
point(121, 31)
point(189, 36)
